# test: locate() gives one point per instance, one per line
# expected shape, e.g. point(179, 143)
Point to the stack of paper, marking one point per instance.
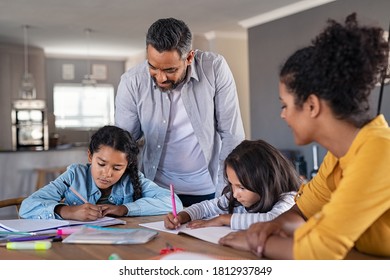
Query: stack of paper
point(100, 235)
point(44, 226)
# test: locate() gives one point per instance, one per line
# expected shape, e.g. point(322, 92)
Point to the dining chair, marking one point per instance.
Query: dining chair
point(45, 175)
point(16, 201)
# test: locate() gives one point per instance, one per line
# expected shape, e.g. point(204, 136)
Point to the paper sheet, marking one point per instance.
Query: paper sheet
point(210, 234)
point(35, 225)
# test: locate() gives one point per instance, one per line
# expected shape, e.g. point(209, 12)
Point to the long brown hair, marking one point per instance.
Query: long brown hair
point(263, 169)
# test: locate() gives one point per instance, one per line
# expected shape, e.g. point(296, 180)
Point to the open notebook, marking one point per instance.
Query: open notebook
point(44, 226)
point(210, 234)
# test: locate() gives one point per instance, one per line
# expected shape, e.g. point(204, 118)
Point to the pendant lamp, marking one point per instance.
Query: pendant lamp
point(27, 87)
point(88, 80)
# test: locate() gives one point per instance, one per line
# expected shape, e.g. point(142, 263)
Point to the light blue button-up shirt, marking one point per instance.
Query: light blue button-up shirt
point(40, 205)
point(211, 102)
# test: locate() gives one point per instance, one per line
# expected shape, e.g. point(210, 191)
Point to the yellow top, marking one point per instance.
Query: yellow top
point(348, 202)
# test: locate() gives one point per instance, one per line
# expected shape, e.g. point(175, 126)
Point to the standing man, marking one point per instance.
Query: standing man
point(184, 104)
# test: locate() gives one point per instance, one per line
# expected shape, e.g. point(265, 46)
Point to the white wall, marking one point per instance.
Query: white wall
point(235, 50)
point(234, 47)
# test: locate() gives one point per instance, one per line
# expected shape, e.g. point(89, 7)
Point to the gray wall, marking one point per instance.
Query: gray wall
point(271, 43)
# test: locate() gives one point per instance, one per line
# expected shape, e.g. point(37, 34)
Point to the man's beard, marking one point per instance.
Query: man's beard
point(172, 83)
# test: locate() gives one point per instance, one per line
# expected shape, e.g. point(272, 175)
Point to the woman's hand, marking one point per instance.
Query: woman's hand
point(258, 233)
point(236, 240)
point(254, 238)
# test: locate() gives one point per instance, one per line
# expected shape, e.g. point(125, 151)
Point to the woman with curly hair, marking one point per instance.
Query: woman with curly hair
point(109, 185)
point(344, 211)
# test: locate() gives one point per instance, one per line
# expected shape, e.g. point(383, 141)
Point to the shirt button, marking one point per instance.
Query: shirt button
point(164, 121)
point(318, 216)
point(154, 167)
point(158, 146)
point(74, 203)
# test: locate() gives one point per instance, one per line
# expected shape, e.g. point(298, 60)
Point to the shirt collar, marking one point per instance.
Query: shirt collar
point(192, 73)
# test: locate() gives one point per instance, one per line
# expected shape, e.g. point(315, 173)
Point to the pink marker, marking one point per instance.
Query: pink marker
point(173, 200)
point(67, 230)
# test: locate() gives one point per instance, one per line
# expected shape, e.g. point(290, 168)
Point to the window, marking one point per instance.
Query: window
point(83, 107)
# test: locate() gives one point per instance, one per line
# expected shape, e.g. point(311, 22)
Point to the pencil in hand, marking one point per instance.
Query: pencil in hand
point(75, 192)
point(173, 200)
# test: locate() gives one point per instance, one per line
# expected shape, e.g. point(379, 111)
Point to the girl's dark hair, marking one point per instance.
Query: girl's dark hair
point(262, 169)
point(169, 34)
point(341, 66)
point(122, 141)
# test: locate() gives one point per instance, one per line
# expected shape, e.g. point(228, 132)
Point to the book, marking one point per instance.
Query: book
point(101, 235)
point(209, 234)
point(43, 225)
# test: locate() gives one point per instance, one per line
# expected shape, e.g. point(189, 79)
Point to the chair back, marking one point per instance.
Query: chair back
point(17, 201)
point(45, 175)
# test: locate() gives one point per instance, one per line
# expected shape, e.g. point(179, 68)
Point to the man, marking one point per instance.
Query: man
point(184, 105)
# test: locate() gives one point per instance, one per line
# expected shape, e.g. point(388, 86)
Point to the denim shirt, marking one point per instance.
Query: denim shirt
point(210, 98)
point(40, 205)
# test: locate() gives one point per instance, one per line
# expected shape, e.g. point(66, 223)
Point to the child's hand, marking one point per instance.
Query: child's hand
point(170, 222)
point(221, 220)
point(114, 210)
point(84, 212)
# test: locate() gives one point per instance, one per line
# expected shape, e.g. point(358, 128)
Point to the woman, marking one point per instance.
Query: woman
point(324, 90)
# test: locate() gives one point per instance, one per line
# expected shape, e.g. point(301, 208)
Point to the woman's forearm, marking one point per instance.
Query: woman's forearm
point(279, 248)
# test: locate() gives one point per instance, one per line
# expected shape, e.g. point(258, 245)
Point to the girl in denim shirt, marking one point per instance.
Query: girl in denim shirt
point(109, 185)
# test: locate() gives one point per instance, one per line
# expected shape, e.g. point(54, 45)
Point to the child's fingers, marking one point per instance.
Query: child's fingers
point(176, 222)
point(169, 221)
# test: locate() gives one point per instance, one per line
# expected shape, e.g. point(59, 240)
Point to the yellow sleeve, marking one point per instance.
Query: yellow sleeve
point(361, 198)
point(312, 196)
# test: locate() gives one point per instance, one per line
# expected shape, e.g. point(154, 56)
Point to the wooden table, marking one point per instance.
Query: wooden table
point(150, 250)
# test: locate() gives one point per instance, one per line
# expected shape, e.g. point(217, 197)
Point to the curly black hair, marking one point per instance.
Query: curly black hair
point(341, 66)
point(120, 140)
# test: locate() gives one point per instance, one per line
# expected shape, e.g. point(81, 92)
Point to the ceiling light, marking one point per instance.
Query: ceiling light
point(88, 79)
point(27, 87)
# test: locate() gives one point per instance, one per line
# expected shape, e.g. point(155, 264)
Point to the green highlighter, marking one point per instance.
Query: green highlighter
point(36, 245)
